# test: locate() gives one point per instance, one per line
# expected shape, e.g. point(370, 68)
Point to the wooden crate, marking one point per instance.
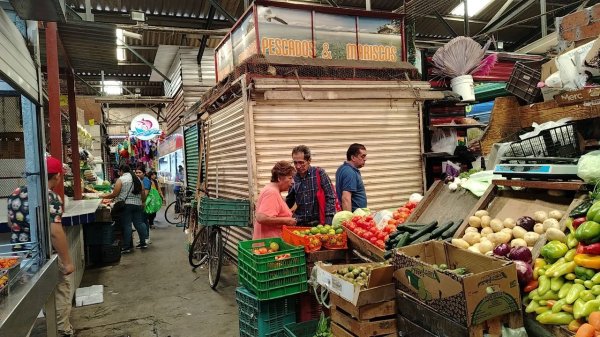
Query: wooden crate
point(406, 328)
point(364, 247)
point(441, 205)
point(442, 326)
point(376, 319)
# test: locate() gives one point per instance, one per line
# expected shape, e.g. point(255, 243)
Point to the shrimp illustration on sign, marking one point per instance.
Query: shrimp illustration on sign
point(144, 127)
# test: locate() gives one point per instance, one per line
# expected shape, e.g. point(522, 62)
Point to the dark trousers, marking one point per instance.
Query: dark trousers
point(135, 214)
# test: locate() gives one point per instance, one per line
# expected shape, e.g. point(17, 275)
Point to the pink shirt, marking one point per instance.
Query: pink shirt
point(270, 203)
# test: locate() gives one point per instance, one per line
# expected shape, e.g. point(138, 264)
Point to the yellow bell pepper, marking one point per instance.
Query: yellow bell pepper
point(587, 261)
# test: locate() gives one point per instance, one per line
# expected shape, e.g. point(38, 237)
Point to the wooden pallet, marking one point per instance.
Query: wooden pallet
point(376, 319)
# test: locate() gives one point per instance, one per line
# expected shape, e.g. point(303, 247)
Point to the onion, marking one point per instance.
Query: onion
point(526, 222)
point(520, 254)
point(524, 272)
point(502, 249)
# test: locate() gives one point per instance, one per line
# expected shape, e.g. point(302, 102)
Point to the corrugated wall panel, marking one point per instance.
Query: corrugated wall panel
point(227, 153)
point(389, 129)
point(175, 76)
point(174, 110)
point(192, 158)
point(196, 79)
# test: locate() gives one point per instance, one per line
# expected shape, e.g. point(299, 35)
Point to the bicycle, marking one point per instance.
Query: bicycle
point(178, 212)
point(210, 239)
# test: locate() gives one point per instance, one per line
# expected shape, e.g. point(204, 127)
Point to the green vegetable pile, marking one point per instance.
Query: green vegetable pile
point(323, 329)
point(457, 271)
point(357, 275)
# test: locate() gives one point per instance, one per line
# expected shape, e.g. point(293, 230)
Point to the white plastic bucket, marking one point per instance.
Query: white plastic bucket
point(463, 85)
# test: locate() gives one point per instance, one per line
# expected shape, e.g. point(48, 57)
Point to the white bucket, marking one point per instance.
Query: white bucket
point(463, 85)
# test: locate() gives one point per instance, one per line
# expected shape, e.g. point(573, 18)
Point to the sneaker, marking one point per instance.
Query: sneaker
point(125, 251)
point(148, 241)
point(141, 246)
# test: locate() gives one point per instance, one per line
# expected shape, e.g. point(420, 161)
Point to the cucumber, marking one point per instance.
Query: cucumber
point(394, 235)
point(450, 232)
point(423, 238)
point(404, 238)
point(441, 229)
point(411, 228)
point(388, 254)
point(425, 230)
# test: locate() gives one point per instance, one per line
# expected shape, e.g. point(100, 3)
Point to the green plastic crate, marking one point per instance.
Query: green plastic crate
point(304, 329)
point(264, 318)
point(268, 262)
point(275, 288)
point(224, 212)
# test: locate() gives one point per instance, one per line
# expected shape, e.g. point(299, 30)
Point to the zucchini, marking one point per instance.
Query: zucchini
point(441, 229)
point(426, 229)
point(581, 209)
point(422, 238)
point(394, 235)
point(404, 238)
point(450, 232)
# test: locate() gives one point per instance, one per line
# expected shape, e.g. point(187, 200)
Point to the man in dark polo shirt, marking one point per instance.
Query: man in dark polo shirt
point(348, 181)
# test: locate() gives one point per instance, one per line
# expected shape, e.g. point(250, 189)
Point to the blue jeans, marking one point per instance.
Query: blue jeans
point(135, 214)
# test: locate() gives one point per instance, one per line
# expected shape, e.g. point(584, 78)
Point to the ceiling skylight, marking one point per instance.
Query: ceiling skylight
point(474, 7)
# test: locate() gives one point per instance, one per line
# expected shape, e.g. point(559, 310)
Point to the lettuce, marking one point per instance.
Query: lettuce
point(340, 217)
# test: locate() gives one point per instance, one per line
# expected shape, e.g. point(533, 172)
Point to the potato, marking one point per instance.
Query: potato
point(485, 221)
point(474, 249)
point(540, 216)
point(472, 238)
point(531, 238)
point(539, 228)
point(471, 229)
point(551, 223)
point(502, 237)
point(496, 225)
point(460, 243)
point(509, 223)
point(486, 230)
point(518, 243)
point(481, 213)
point(475, 221)
point(555, 214)
point(518, 232)
point(485, 246)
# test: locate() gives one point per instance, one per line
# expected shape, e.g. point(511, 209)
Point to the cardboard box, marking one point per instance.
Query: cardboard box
point(548, 69)
point(380, 287)
point(490, 289)
point(549, 93)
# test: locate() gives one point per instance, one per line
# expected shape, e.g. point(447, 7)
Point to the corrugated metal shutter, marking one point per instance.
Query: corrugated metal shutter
point(196, 78)
point(191, 156)
point(389, 129)
point(227, 162)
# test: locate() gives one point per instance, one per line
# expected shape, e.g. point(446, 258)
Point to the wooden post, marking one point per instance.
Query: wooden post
point(75, 166)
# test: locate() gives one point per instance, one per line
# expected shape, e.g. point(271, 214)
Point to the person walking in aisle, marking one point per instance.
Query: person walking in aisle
point(150, 184)
point(348, 181)
point(271, 210)
point(312, 191)
point(18, 220)
point(140, 173)
point(129, 189)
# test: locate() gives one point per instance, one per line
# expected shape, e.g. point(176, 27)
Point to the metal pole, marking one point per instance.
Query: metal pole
point(75, 160)
point(102, 81)
point(544, 18)
point(54, 97)
point(466, 3)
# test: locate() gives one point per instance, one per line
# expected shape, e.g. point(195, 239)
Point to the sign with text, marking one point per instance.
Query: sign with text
point(285, 32)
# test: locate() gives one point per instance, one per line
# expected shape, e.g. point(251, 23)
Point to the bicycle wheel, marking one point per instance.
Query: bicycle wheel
point(171, 216)
point(197, 254)
point(215, 256)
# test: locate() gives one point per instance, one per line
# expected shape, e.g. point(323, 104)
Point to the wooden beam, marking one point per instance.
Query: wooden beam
point(133, 100)
point(546, 185)
point(418, 95)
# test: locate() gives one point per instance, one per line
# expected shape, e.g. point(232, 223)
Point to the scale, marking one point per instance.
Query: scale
point(547, 168)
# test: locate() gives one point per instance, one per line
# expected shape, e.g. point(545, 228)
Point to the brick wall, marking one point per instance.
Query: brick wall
point(581, 25)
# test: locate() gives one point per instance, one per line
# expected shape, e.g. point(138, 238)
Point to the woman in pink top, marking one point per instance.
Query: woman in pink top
point(271, 210)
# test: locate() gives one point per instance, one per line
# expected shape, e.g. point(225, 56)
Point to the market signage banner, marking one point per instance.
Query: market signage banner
point(300, 33)
point(144, 127)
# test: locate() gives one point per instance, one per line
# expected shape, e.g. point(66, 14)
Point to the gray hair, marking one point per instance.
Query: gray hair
point(302, 149)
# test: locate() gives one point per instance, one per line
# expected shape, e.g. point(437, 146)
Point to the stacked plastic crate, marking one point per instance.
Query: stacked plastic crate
point(269, 284)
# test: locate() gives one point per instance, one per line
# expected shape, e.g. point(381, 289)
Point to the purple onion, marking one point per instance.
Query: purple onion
point(524, 272)
point(502, 249)
point(520, 254)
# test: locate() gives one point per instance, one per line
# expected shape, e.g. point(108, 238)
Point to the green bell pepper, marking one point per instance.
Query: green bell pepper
point(554, 250)
point(593, 214)
point(583, 273)
point(561, 318)
point(588, 232)
point(564, 290)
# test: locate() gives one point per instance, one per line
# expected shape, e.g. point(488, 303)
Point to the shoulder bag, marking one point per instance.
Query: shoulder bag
point(321, 198)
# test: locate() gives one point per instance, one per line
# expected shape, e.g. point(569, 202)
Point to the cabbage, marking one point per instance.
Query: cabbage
point(340, 217)
point(362, 211)
point(588, 167)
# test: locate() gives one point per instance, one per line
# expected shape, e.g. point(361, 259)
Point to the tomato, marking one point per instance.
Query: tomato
point(391, 228)
point(373, 230)
point(356, 218)
point(351, 226)
point(411, 205)
point(369, 218)
point(380, 243)
point(401, 221)
point(381, 235)
point(386, 238)
point(367, 235)
point(403, 210)
point(373, 239)
point(404, 215)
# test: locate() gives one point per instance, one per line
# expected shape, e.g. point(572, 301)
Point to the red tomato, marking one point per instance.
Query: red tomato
point(381, 235)
point(411, 205)
point(351, 226)
point(386, 238)
point(369, 218)
point(356, 218)
point(367, 235)
point(391, 228)
point(373, 230)
point(373, 239)
point(404, 215)
point(401, 221)
point(380, 244)
point(403, 210)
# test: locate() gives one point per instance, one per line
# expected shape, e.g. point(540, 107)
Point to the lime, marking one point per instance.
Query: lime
point(339, 231)
point(331, 232)
point(319, 226)
point(324, 231)
point(315, 230)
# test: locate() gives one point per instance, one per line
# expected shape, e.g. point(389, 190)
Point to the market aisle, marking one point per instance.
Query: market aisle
point(154, 292)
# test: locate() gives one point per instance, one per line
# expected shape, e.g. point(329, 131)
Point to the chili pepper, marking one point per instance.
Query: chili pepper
point(531, 307)
point(596, 289)
point(596, 278)
point(574, 293)
point(543, 302)
point(580, 248)
point(588, 261)
point(572, 240)
point(578, 308)
point(549, 317)
point(588, 232)
point(533, 294)
point(569, 225)
point(578, 221)
point(550, 303)
point(583, 273)
point(593, 213)
point(593, 249)
point(574, 325)
point(544, 285)
point(550, 271)
point(578, 281)
point(570, 254)
point(564, 290)
point(557, 307)
point(549, 295)
point(556, 283)
point(589, 307)
point(542, 309)
point(538, 265)
point(565, 268)
point(531, 285)
point(554, 250)
point(588, 284)
point(570, 276)
point(567, 308)
point(586, 295)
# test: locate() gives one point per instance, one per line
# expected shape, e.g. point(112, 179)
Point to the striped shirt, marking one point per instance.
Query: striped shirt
point(127, 190)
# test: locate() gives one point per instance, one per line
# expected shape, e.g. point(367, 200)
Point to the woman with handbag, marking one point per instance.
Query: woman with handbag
point(155, 198)
point(128, 195)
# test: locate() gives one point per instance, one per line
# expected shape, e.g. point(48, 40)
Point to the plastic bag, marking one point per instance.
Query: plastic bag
point(153, 202)
point(444, 140)
point(479, 182)
point(588, 167)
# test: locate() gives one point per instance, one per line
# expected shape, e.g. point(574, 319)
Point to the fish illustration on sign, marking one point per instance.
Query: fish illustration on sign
point(144, 127)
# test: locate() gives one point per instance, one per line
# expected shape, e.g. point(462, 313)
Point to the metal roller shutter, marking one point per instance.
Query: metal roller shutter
point(227, 169)
point(389, 128)
point(191, 149)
